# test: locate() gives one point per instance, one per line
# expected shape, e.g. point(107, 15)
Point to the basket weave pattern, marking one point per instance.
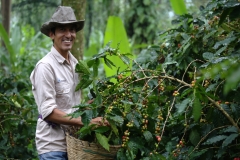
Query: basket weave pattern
point(83, 150)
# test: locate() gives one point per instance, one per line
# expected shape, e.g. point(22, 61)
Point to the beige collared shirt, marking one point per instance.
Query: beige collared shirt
point(53, 84)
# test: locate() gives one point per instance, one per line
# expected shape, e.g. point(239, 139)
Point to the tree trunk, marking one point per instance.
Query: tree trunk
point(6, 9)
point(79, 7)
point(89, 20)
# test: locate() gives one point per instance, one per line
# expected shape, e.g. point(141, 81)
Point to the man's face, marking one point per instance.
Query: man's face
point(63, 38)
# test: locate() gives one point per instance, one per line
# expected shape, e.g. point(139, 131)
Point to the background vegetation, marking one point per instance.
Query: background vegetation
point(199, 50)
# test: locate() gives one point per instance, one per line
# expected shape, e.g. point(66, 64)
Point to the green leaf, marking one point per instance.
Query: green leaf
point(146, 2)
point(230, 129)
point(85, 130)
point(194, 137)
point(113, 126)
point(179, 6)
point(121, 154)
point(156, 157)
point(87, 116)
point(102, 140)
point(116, 34)
point(76, 114)
point(133, 145)
point(215, 139)
point(197, 108)
point(208, 55)
point(186, 92)
point(109, 63)
point(220, 50)
point(224, 42)
point(181, 107)
point(91, 50)
point(205, 38)
point(224, 15)
point(232, 80)
point(101, 129)
point(148, 136)
point(197, 154)
point(130, 154)
point(134, 117)
point(229, 139)
point(82, 67)
point(84, 83)
point(127, 108)
point(117, 119)
point(125, 59)
point(127, 102)
point(91, 62)
point(185, 47)
point(98, 100)
point(7, 43)
point(82, 106)
point(95, 68)
point(211, 87)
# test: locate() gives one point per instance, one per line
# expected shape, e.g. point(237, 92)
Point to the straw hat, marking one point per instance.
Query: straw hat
point(62, 15)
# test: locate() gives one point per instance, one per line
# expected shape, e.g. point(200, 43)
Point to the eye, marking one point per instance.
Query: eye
point(61, 29)
point(73, 30)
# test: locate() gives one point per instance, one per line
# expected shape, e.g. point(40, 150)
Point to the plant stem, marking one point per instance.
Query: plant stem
point(205, 138)
point(225, 113)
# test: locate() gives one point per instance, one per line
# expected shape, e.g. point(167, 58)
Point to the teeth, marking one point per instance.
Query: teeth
point(66, 41)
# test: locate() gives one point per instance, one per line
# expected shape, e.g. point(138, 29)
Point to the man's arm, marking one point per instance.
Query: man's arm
point(60, 117)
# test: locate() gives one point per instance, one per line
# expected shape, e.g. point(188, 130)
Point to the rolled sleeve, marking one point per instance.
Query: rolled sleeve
point(44, 88)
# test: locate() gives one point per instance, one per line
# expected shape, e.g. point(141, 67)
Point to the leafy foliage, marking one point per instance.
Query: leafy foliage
point(116, 34)
point(18, 111)
point(180, 99)
point(33, 13)
point(17, 119)
point(177, 101)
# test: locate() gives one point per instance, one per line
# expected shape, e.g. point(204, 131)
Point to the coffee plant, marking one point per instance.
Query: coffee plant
point(17, 119)
point(18, 110)
point(178, 99)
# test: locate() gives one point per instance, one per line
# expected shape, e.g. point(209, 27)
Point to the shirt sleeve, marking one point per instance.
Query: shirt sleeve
point(44, 87)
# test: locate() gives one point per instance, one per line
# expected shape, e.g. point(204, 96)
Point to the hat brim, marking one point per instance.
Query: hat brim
point(46, 27)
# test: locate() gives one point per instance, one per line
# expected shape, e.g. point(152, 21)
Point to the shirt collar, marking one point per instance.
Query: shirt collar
point(60, 58)
point(72, 58)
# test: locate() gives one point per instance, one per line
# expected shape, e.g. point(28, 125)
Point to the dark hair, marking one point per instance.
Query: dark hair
point(53, 31)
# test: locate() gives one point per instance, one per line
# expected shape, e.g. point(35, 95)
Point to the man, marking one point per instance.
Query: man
point(53, 83)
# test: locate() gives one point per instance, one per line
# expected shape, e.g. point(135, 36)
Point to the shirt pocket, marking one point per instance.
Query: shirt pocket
point(63, 98)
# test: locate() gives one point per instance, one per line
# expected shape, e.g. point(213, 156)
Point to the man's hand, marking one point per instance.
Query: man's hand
point(90, 101)
point(100, 121)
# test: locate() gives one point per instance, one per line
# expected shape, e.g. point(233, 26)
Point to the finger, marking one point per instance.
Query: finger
point(90, 101)
point(100, 122)
point(106, 123)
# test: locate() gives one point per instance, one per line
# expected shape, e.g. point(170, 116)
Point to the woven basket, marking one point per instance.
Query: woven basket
point(83, 150)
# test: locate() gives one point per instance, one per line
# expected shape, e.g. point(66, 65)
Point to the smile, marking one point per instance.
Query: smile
point(66, 41)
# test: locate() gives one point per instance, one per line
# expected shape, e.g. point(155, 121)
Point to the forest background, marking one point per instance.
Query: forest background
point(23, 45)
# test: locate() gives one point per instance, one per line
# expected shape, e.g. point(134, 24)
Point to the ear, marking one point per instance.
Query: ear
point(51, 35)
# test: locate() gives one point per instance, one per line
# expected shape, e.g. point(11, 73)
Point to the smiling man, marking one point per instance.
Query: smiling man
point(53, 84)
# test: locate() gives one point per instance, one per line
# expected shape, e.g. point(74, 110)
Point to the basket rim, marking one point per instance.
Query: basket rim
point(92, 143)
